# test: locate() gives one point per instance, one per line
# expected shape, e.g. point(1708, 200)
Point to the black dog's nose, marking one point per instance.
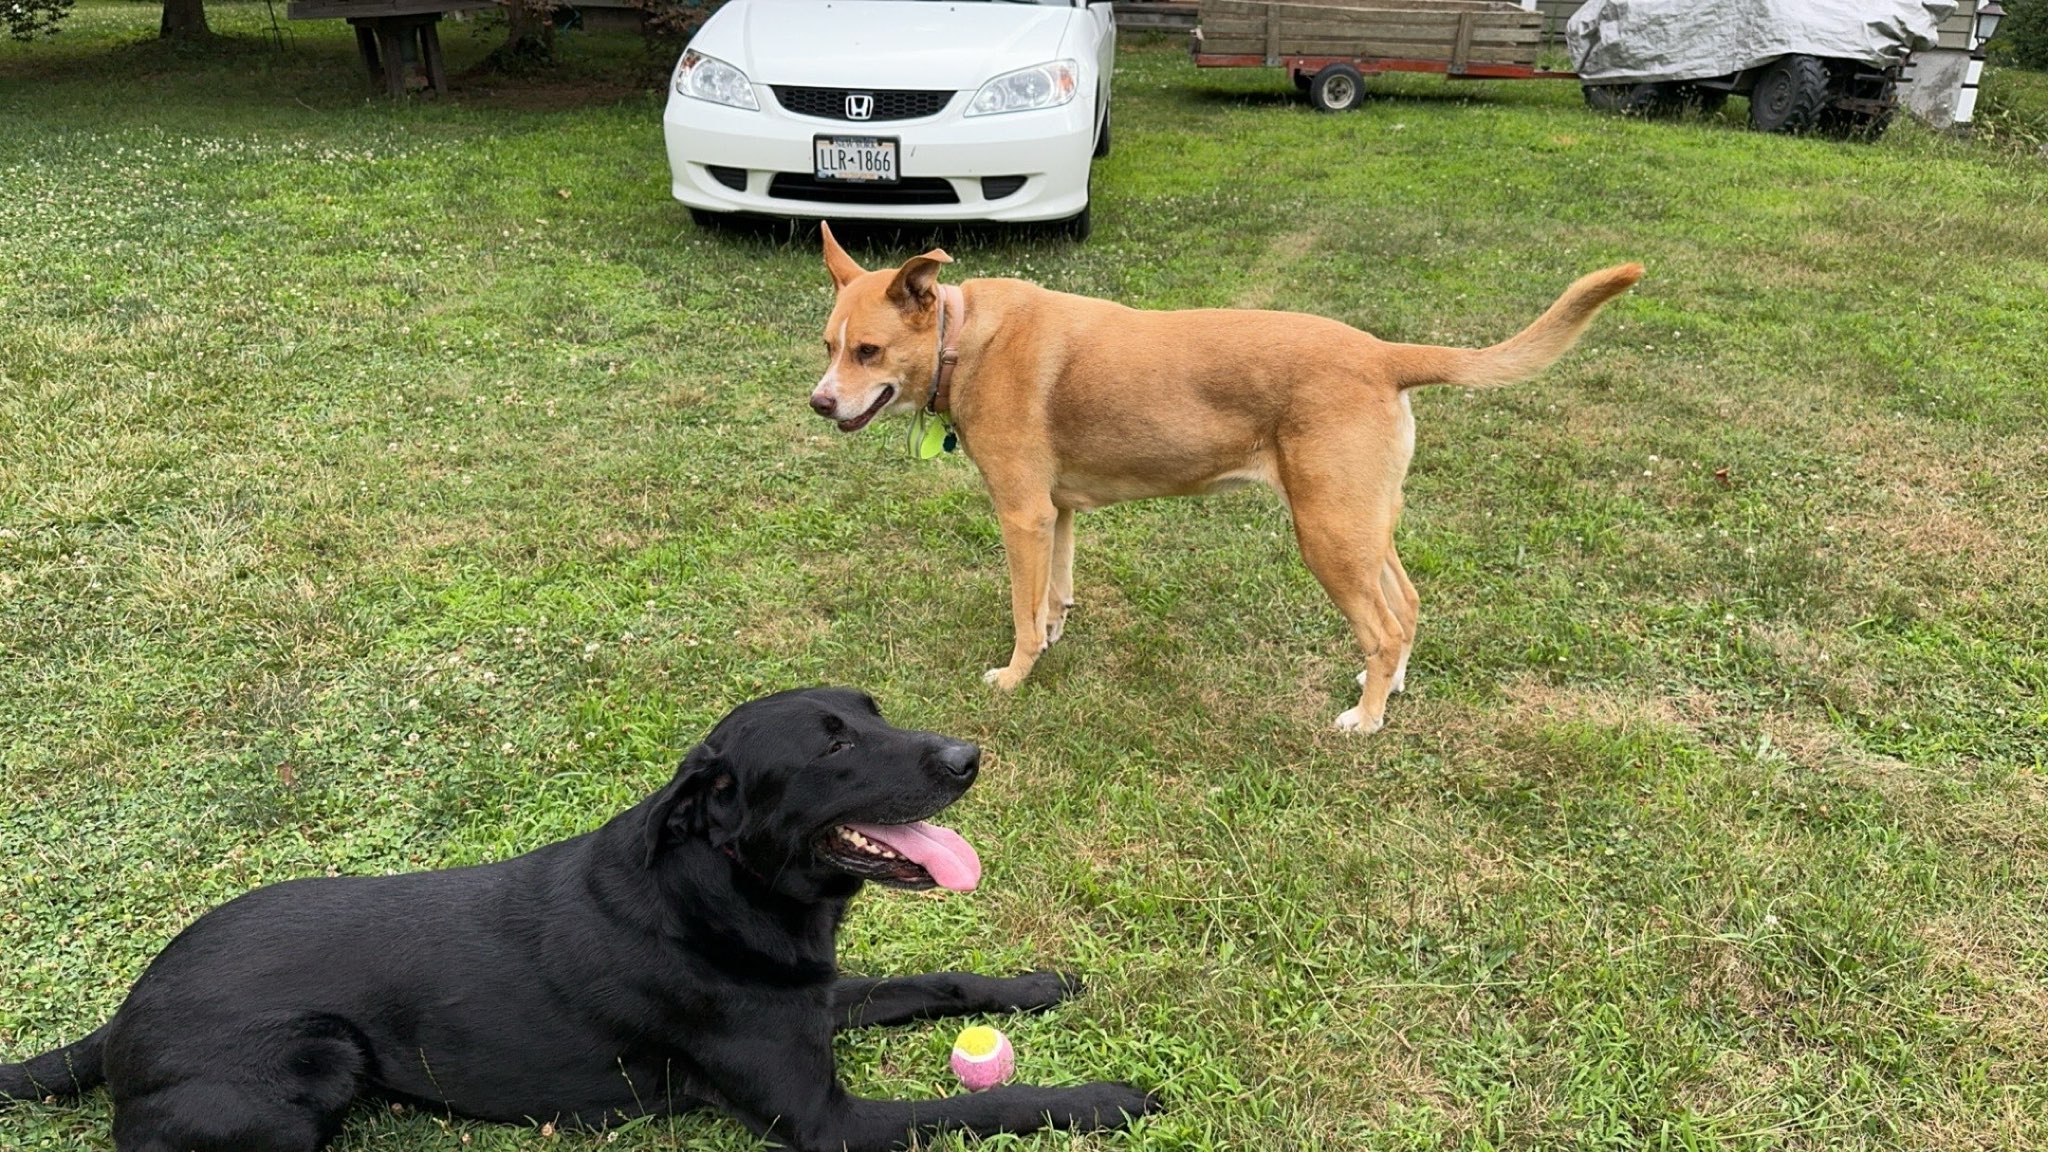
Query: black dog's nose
point(961, 759)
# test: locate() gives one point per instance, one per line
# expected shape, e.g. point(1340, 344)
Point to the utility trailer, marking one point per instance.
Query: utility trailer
point(1828, 65)
point(1331, 46)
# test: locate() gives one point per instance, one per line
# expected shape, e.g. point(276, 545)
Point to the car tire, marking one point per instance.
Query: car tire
point(1078, 226)
point(1789, 95)
point(1102, 138)
point(1337, 88)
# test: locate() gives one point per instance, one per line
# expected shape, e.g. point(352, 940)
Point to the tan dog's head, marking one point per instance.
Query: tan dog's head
point(881, 344)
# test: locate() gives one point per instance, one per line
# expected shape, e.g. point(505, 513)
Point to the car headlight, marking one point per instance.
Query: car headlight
point(1046, 86)
point(709, 78)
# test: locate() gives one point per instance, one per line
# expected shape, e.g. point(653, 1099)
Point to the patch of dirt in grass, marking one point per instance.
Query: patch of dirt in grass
point(1923, 510)
point(1269, 274)
point(1996, 822)
point(1990, 985)
point(1532, 698)
point(786, 634)
point(482, 90)
point(1829, 662)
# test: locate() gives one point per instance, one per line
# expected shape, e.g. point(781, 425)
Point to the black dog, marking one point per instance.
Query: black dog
point(680, 956)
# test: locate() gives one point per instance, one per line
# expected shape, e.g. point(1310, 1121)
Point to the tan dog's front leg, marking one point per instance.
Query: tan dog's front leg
point(1060, 593)
point(1028, 540)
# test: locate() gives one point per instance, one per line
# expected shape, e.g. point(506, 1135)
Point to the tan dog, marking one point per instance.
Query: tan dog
point(1067, 403)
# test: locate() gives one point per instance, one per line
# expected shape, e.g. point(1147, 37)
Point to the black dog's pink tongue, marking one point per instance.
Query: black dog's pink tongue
point(940, 851)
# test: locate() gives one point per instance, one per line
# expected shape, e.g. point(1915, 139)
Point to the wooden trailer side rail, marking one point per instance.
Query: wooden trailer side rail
point(1480, 39)
point(1373, 64)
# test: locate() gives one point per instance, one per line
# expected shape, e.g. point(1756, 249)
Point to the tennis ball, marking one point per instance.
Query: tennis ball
point(983, 1058)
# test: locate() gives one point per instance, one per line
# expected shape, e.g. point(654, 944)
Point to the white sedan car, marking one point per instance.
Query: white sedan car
point(925, 110)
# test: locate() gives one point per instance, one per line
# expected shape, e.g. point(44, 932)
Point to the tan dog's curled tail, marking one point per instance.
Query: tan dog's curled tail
point(1523, 355)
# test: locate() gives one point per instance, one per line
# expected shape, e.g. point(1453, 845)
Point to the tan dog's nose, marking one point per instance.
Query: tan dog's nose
point(823, 402)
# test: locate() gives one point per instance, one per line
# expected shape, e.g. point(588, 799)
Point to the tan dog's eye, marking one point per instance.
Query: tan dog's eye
point(867, 352)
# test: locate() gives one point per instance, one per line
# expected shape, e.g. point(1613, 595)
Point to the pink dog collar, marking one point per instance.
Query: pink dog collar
point(952, 302)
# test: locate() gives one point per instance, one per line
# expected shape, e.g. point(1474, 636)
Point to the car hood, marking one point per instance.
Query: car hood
point(927, 44)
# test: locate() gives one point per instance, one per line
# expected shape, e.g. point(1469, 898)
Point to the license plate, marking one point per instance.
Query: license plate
point(856, 159)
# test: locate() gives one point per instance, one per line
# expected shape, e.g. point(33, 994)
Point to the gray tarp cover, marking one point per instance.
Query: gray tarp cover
point(1613, 40)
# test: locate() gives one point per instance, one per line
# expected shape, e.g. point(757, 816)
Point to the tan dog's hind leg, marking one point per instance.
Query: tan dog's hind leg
point(1060, 594)
point(1407, 605)
point(1343, 518)
point(1028, 532)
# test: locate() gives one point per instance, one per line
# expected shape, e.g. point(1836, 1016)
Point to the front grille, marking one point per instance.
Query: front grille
point(997, 187)
point(733, 178)
point(909, 190)
point(830, 103)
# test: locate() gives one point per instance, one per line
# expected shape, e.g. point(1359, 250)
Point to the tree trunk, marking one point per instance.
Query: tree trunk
point(183, 18)
point(529, 38)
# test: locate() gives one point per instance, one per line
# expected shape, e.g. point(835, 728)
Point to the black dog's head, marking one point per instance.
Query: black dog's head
point(812, 791)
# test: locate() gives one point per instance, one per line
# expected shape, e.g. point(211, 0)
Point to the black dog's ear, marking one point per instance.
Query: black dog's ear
point(701, 800)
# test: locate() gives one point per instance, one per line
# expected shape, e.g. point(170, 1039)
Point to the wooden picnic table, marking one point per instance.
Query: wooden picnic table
point(395, 36)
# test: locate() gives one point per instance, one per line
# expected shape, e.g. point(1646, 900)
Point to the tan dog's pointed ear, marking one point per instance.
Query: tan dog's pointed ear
point(917, 281)
point(843, 267)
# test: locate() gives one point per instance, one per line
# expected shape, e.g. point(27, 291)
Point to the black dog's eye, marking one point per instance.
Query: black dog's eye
point(866, 352)
point(837, 747)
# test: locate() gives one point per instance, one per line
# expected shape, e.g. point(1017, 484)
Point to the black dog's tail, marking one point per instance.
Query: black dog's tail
point(72, 1070)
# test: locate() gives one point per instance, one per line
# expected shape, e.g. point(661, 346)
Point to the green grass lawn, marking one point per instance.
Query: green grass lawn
point(390, 486)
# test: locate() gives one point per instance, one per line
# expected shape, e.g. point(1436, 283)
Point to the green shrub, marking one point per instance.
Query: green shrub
point(27, 19)
point(2023, 37)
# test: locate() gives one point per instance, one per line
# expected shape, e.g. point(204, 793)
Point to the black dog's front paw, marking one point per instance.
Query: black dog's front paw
point(1037, 991)
point(1106, 1105)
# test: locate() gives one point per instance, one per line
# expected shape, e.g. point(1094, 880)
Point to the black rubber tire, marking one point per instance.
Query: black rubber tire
point(1102, 137)
point(1604, 97)
point(1854, 125)
point(1078, 226)
point(1652, 100)
point(1337, 88)
point(1789, 95)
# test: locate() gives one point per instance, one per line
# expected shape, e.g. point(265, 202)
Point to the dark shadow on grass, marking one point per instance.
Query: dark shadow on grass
point(1379, 91)
point(149, 56)
point(250, 72)
point(876, 242)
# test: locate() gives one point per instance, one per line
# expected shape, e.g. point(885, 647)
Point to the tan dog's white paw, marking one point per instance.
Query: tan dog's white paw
point(1400, 675)
point(1003, 679)
point(1058, 627)
point(1352, 720)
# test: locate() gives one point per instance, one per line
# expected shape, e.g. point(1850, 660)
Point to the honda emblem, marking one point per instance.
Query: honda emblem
point(859, 105)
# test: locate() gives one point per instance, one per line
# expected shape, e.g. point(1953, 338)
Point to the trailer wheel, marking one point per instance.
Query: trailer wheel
point(1855, 125)
point(1653, 100)
point(1604, 97)
point(1337, 88)
point(1789, 95)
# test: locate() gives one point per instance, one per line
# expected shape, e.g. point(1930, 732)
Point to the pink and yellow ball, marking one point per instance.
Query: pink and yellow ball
point(983, 1058)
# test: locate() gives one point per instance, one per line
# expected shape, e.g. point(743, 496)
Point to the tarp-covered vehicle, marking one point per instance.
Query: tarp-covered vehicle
point(1832, 65)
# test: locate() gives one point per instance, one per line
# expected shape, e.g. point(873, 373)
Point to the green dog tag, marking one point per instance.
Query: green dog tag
point(933, 441)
